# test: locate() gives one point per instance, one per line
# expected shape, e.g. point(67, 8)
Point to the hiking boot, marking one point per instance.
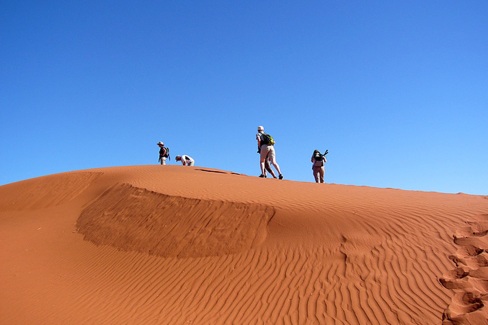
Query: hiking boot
point(280, 177)
point(262, 176)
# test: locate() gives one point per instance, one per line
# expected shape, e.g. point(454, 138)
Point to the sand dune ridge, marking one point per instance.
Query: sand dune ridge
point(47, 191)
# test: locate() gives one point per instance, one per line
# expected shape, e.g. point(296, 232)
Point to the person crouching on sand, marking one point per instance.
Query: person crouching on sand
point(186, 160)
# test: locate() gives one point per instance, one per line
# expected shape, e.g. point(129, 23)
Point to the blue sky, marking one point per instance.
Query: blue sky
point(397, 91)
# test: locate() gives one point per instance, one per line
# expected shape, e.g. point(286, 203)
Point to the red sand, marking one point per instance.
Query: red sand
point(189, 245)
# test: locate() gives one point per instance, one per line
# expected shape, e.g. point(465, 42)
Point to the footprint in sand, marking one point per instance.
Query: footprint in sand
point(469, 279)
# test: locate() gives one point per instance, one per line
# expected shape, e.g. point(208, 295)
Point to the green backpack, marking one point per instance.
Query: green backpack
point(166, 154)
point(267, 139)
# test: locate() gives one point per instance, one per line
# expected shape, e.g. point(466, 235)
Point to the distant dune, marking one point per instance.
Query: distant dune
point(190, 245)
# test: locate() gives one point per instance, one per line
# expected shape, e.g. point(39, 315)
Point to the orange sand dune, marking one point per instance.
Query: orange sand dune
point(189, 245)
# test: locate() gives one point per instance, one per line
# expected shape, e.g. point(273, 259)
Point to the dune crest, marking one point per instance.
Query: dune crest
point(135, 219)
point(47, 191)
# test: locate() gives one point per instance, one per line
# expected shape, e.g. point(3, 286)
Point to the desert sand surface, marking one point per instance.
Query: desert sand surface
point(192, 245)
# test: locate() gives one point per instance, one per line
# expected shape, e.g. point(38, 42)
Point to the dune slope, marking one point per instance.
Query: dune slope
point(176, 245)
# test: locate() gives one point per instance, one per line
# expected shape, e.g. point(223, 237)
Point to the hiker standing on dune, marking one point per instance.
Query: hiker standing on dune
point(266, 151)
point(318, 165)
point(163, 153)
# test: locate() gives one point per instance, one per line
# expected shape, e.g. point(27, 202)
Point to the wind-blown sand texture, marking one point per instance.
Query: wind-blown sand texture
point(190, 245)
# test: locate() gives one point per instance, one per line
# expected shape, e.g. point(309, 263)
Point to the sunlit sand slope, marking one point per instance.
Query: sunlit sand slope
point(177, 245)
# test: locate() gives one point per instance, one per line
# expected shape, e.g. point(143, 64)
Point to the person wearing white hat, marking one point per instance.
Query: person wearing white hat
point(266, 151)
point(163, 153)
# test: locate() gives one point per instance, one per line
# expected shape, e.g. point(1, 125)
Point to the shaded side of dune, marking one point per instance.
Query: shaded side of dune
point(135, 219)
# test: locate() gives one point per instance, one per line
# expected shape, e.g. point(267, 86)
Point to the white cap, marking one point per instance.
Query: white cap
point(160, 143)
point(260, 128)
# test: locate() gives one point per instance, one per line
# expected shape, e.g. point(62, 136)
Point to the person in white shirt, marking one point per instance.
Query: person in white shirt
point(266, 151)
point(186, 160)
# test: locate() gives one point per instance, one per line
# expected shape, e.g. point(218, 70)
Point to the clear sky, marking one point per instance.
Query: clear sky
point(397, 91)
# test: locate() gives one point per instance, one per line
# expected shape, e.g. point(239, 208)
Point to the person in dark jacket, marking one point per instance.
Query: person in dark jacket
point(318, 166)
point(163, 153)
